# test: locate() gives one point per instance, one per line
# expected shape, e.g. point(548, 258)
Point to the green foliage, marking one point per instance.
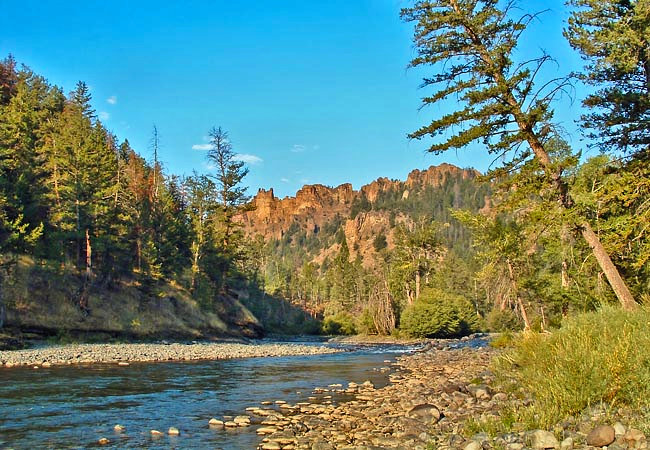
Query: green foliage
point(341, 323)
point(365, 323)
point(612, 37)
point(475, 42)
point(500, 321)
point(595, 357)
point(439, 314)
point(503, 340)
point(379, 243)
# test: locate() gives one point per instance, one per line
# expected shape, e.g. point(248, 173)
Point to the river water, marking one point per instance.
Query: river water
point(74, 406)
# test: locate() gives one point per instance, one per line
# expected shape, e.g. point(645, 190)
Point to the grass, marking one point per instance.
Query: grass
point(600, 357)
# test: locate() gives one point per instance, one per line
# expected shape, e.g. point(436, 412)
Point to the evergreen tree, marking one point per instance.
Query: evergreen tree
point(231, 194)
point(613, 36)
point(473, 42)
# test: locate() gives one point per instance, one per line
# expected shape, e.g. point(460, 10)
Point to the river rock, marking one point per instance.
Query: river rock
point(473, 445)
point(230, 424)
point(426, 411)
point(103, 441)
point(156, 433)
point(542, 439)
point(216, 422)
point(118, 428)
point(619, 429)
point(173, 431)
point(270, 446)
point(601, 435)
point(634, 438)
point(567, 444)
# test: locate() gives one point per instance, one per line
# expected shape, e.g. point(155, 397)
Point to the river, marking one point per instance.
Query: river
point(75, 406)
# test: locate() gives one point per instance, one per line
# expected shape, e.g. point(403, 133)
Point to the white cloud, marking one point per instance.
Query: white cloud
point(103, 115)
point(112, 100)
point(285, 180)
point(202, 147)
point(247, 158)
point(298, 148)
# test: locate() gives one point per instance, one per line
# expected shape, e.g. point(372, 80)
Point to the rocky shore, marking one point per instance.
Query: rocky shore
point(124, 354)
point(430, 403)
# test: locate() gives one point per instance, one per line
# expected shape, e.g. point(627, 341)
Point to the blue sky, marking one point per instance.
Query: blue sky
point(310, 92)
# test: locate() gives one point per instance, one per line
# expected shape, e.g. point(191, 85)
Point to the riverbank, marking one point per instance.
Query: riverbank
point(127, 353)
point(436, 399)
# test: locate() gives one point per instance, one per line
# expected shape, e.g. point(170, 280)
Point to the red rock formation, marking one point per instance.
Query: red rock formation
point(315, 205)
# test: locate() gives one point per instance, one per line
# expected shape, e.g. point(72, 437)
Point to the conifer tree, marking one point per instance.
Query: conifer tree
point(614, 38)
point(471, 44)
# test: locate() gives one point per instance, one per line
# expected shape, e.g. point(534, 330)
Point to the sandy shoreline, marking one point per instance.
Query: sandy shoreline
point(127, 353)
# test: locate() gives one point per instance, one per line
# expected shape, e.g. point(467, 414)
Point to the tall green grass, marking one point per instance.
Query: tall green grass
point(597, 357)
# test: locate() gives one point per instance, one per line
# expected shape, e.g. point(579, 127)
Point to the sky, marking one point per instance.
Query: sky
point(309, 92)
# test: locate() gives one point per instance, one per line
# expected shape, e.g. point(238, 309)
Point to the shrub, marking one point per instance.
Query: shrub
point(439, 314)
point(365, 324)
point(595, 357)
point(499, 321)
point(340, 323)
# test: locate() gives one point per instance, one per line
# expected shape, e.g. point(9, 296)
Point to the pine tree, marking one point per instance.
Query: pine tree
point(614, 38)
point(472, 44)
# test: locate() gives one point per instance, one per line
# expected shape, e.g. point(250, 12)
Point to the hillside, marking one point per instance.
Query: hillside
point(42, 301)
point(326, 248)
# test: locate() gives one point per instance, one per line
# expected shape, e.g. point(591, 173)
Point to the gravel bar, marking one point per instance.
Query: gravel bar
point(126, 353)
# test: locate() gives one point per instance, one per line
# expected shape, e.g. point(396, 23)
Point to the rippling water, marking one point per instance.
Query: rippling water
point(74, 406)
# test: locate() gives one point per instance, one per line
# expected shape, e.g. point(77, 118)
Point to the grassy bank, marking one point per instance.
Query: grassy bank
point(43, 300)
point(595, 361)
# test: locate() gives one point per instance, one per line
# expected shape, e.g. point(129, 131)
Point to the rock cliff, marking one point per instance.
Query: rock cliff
point(315, 205)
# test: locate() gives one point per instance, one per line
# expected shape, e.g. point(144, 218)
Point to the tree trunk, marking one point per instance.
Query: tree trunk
point(520, 303)
point(537, 146)
point(89, 255)
point(417, 284)
point(615, 281)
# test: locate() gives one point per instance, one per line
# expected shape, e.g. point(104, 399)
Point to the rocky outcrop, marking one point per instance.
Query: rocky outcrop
point(315, 205)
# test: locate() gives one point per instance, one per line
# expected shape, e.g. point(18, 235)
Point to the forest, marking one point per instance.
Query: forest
point(547, 233)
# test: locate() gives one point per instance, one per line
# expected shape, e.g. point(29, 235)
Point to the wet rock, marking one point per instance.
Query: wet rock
point(103, 441)
point(172, 431)
point(215, 422)
point(156, 433)
point(118, 428)
point(601, 435)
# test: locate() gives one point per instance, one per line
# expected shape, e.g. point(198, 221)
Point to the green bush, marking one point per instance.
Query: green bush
point(365, 324)
point(340, 323)
point(595, 357)
point(499, 321)
point(439, 314)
